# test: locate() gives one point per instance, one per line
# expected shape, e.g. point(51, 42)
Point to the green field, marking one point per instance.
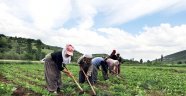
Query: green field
point(28, 80)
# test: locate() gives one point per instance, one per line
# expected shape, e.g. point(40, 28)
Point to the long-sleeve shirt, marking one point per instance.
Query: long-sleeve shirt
point(58, 59)
point(112, 62)
point(114, 57)
point(97, 61)
point(87, 66)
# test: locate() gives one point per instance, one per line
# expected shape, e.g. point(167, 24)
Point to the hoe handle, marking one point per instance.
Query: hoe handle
point(75, 81)
point(88, 81)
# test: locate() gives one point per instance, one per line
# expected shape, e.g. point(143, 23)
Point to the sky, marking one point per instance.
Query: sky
point(139, 29)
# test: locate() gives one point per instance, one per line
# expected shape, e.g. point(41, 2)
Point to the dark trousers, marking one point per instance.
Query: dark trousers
point(104, 70)
point(82, 77)
point(119, 68)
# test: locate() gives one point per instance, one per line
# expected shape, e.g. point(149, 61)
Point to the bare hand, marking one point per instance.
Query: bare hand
point(69, 74)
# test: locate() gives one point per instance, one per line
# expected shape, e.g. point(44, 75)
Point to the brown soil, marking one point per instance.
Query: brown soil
point(3, 79)
point(20, 91)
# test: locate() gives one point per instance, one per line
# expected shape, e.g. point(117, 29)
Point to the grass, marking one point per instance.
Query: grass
point(134, 80)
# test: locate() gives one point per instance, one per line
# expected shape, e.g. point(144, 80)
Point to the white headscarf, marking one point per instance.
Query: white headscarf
point(66, 60)
point(87, 55)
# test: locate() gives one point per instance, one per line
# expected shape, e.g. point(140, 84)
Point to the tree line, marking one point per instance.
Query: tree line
point(18, 48)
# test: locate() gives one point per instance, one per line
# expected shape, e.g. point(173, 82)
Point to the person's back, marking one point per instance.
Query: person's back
point(97, 61)
point(86, 66)
point(112, 62)
point(112, 65)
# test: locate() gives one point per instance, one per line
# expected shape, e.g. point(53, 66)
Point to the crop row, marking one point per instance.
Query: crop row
point(133, 80)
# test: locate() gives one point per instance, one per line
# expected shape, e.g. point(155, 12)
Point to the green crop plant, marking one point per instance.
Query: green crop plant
point(135, 80)
point(6, 89)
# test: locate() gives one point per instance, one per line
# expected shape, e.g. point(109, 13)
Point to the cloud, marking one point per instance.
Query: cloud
point(149, 44)
point(45, 13)
point(164, 39)
point(177, 7)
point(45, 20)
point(124, 11)
point(86, 14)
point(49, 14)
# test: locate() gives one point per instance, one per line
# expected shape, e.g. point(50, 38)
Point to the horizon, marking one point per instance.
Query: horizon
point(102, 53)
point(140, 30)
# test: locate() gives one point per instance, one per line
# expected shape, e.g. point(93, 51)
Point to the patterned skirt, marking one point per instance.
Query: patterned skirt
point(52, 75)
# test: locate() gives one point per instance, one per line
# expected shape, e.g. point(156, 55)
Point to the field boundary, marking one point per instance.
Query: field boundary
point(160, 65)
point(19, 62)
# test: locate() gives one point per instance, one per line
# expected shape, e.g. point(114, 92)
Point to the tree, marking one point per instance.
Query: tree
point(28, 55)
point(156, 60)
point(29, 46)
point(179, 62)
point(18, 49)
point(39, 46)
point(2, 35)
point(161, 58)
point(4, 45)
point(148, 61)
point(141, 61)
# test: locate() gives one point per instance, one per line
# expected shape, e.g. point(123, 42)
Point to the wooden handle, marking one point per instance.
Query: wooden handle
point(75, 81)
point(88, 81)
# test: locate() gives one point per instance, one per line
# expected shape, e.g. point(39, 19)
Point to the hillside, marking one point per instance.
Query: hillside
point(176, 57)
point(100, 55)
point(18, 48)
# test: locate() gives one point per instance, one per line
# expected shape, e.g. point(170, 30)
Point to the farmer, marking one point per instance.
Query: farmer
point(120, 61)
point(113, 65)
point(97, 62)
point(86, 66)
point(54, 63)
point(113, 55)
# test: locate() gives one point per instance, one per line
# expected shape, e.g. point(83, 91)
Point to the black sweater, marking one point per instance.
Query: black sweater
point(114, 57)
point(58, 59)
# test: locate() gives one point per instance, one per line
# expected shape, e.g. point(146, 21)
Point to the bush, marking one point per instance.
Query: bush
point(185, 62)
point(179, 62)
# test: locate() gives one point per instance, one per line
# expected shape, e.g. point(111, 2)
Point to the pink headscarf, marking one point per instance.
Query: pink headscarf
point(69, 49)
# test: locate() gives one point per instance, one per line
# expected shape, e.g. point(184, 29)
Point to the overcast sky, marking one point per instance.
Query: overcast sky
point(139, 29)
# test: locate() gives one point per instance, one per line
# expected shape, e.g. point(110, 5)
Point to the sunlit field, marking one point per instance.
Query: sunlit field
point(28, 79)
